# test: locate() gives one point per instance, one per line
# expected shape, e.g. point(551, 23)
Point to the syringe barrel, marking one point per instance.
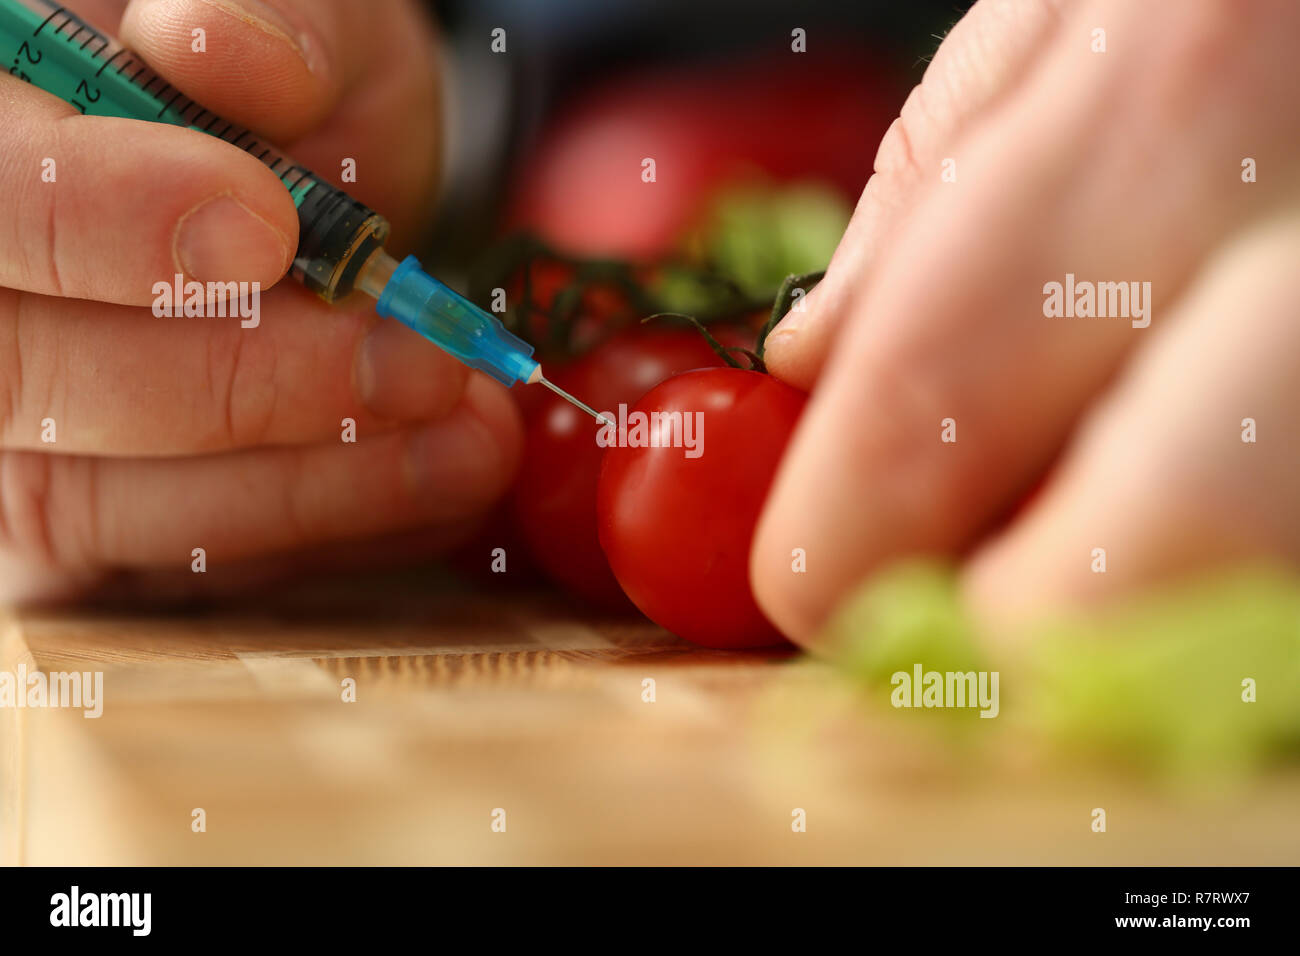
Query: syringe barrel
point(336, 235)
point(53, 48)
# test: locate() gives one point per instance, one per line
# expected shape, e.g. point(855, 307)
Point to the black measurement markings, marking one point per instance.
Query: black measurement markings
point(71, 19)
point(103, 66)
point(168, 104)
point(302, 174)
point(162, 95)
point(57, 11)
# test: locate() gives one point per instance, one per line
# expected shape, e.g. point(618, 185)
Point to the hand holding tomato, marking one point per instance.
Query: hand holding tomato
point(1133, 164)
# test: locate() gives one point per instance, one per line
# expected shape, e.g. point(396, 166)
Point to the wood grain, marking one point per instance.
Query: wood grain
point(468, 702)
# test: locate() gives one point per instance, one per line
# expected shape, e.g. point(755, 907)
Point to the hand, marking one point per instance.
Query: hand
point(1118, 166)
point(179, 433)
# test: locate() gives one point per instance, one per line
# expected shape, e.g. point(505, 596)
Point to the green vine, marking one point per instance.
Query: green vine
point(784, 298)
point(640, 290)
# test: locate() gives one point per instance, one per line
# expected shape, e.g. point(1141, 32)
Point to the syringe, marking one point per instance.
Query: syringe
point(340, 240)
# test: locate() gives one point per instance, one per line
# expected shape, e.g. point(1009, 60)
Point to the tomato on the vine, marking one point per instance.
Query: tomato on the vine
point(677, 529)
point(555, 497)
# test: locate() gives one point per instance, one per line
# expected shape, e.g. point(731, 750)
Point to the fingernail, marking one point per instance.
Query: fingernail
point(795, 318)
point(401, 376)
point(223, 240)
point(270, 20)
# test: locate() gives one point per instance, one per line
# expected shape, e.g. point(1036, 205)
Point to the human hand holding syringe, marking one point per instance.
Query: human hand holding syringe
point(171, 434)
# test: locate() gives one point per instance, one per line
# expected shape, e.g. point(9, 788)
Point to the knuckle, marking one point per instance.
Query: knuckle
point(898, 158)
point(11, 365)
point(49, 508)
point(242, 383)
point(31, 353)
point(300, 527)
point(975, 63)
point(33, 253)
point(46, 273)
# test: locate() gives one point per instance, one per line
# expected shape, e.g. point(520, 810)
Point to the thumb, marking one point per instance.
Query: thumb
point(983, 56)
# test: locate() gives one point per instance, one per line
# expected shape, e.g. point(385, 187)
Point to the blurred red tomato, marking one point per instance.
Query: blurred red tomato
point(790, 116)
point(599, 306)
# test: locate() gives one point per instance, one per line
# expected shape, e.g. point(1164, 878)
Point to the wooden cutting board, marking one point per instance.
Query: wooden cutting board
point(475, 709)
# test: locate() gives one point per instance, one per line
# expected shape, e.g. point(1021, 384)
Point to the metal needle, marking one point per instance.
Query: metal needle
point(569, 398)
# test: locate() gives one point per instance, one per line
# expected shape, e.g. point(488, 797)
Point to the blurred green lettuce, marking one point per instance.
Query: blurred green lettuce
point(1158, 683)
point(752, 236)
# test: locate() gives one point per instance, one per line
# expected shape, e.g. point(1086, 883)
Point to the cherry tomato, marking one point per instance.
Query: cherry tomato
point(555, 497)
point(781, 117)
point(677, 529)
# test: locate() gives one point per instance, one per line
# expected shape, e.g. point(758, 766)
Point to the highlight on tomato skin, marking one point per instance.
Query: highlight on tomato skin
point(677, 529)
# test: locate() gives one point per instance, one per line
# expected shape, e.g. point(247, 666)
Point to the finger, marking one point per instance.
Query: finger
point(104, 15)
point(399, 104)
point(119, 381)
point(1161, 480)
point(276, 66)
point(102, 208)
point(987, 53)
point(83, 513)
point(871, 475)
point(283, 67)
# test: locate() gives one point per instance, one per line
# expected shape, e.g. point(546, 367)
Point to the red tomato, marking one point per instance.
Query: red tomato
point(677, 529)
point(813, 116)
point(555, 497)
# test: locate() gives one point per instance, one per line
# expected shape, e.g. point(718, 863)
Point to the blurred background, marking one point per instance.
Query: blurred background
point(706, 88)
